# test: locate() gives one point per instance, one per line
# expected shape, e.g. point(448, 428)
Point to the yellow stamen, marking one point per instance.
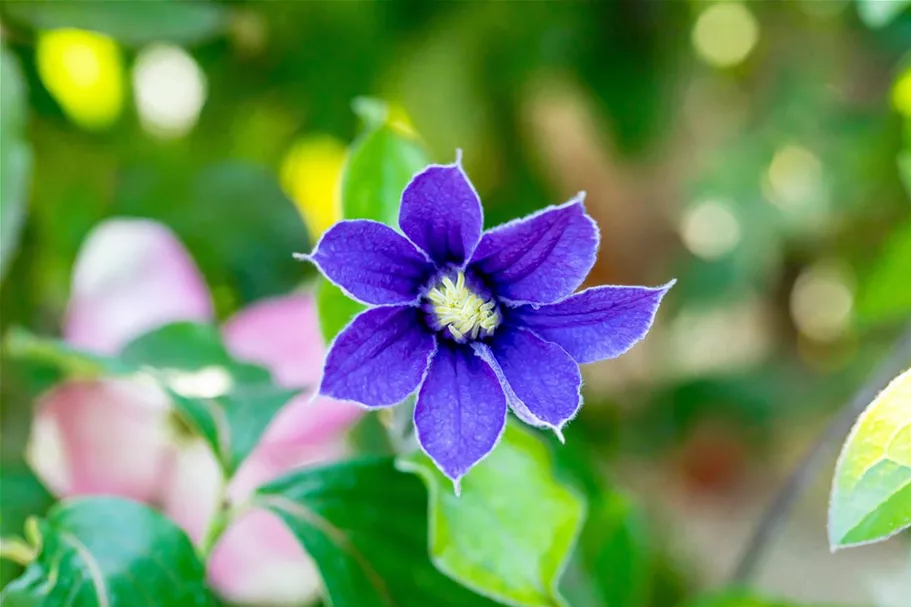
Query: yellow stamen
point(460, 310)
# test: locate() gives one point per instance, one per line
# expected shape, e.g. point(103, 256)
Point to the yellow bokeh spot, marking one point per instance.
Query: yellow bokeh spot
point(725, 33)
point(83, 71)
point(901, 93)
point(311, 175)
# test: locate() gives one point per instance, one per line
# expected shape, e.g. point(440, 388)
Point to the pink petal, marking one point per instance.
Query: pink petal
point(282, 334)
point(107, 437)
point(193, 489)
point(131, 276)
point(258, 561)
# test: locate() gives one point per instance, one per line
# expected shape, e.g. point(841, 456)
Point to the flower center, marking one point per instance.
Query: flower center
point(463, 312)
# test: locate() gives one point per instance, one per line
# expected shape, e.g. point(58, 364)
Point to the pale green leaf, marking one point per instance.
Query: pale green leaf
point(871, 493)
point(511, 531)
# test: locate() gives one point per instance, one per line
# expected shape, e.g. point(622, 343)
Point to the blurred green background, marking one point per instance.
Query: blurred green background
point(752, 150)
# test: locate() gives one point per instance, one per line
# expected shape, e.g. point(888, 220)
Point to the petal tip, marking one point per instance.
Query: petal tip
point(458, 157)
point(558, 432)
point(303, 257)
point(457, 486)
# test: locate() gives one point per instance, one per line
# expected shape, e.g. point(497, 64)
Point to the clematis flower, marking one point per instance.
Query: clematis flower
point(474, 322)
point(118, 436)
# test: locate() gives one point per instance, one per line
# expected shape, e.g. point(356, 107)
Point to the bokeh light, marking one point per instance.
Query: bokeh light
point(170, 90)
point(795, 174)
point(822, 300)
point(725, 33)
point(83, 71)
point(311, 174)
point(709, 229)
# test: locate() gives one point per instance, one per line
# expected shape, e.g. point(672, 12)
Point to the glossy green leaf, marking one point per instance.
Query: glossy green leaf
point(885, 296)
point(879, 13)
point(229, 403)
point(380, 164)
point(105, 551)
point(21, 495)
point(365, 525)
point(135, 23)
point(336, 309)
point(15, 155)
point(613, 561)
point(871, 494)
point(478, 538)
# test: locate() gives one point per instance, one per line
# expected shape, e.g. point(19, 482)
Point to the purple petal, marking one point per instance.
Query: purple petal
point(442, 214)
point(131, 276)
point(543, 379)
point(460, 411)
point(598, 323)
point(372, 262)
point(380, 358)
point(542, 258)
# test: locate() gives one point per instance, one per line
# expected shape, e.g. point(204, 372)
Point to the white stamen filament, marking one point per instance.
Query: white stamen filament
point(458, 309)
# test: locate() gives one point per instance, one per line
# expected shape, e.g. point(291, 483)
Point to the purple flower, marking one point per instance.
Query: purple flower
point(474, 322)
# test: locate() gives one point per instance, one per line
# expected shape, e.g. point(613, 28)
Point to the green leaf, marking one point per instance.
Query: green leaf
point(365, 525)
point(228, 403)
point(15, 155)
point(885, 296)
point(880, 13)
point(510, 532)
point(613, 557)
point(379, 167)
point(23, 496)
point(101, 551)
point(380, 164)
point(135, 23)
point(871, 494)
point(336, 309)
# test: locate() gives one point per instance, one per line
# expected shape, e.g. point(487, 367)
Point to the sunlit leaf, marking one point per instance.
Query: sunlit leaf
point(510, 532)
point(228, 403)
point(879, 13)
point(133, 23)
point(15, 155)
point(365, 525)
point(871, 494)
point(101, 551)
